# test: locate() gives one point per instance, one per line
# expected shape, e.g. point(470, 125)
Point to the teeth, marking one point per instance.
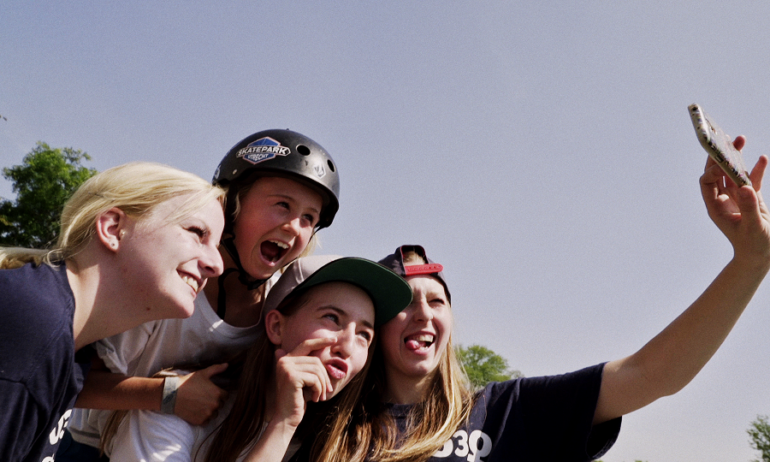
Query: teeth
point(426, 339)
point(192, 282)
point(281, 244)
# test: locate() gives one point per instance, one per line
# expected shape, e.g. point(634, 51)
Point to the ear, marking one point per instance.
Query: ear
point(110, 227)
point(274, 325)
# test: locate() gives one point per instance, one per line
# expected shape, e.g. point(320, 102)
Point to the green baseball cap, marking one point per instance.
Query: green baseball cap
point(389, 292)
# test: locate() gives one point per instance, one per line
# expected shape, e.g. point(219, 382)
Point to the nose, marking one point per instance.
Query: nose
point(422, 310)
point(293, 226)
point(211, 263)
point(345, 342)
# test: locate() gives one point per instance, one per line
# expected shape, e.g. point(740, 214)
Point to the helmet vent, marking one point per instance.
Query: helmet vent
point(331, 165)
point(304, 150)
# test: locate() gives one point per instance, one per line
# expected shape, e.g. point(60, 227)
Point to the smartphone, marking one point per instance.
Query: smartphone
point(719, 146)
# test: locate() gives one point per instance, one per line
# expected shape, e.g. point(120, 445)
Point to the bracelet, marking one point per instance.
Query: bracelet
point(170, 387)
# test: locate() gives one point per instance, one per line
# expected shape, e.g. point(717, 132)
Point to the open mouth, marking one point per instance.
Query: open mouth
point(337, 369)
point(419, 341)
point(273, 251)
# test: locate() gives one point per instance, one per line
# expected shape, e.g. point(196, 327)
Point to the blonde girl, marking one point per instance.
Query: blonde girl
point(137, 244)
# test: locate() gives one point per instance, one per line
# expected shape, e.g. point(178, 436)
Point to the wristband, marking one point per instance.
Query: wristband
point(170, 387)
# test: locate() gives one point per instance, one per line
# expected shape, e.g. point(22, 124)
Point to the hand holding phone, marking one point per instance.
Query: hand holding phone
point(719, 146)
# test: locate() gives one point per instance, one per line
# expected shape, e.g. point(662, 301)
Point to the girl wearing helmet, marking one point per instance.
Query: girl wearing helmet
point(320, 319)
point(133, 236)
point(419, 406)
point(282, 187)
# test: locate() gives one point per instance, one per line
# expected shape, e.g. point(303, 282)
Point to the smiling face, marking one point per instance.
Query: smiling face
point(414, 342)
point(333, 309)
point(276, 221)
point(165, 262)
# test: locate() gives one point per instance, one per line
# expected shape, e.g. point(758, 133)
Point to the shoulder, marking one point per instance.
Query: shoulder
point(548, 386)
point(37, 311)
point(34, 285)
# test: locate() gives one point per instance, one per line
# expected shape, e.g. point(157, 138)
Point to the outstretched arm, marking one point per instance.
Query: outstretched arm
point(670, 360)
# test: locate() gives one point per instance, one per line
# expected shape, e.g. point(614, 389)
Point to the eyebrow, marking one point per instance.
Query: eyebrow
point(345, 313)
point(197, 222)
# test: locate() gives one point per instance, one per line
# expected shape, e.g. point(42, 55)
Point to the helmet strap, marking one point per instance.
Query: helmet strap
point(244, 277)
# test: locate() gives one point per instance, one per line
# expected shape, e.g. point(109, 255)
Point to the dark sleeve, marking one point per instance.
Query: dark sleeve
point(19, 421)
point(548, 418)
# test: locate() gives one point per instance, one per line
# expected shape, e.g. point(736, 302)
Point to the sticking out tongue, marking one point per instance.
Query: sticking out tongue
point(414, 344)
point(271, 251)
point(334, 372)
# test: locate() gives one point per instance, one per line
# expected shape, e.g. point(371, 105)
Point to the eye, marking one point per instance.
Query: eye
point(333, 317)
point(438, 301)
point(310, 218)
point(283, 204)
point(198, 231)
point(366, 335)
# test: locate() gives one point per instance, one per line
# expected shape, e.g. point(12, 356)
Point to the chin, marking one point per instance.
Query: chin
point(184, 309)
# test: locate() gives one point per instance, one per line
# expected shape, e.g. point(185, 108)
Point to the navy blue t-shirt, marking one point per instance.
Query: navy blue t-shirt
point(40, 375)
point(530, 420)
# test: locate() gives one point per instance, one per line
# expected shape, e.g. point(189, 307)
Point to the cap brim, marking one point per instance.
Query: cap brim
point(389, 292)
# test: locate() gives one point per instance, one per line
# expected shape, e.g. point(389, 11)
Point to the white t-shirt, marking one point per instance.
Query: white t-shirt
point(149, 436)
point(152, 436)
point(203, 339)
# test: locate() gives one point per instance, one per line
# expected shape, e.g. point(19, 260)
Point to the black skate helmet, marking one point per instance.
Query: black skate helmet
point(281, 153)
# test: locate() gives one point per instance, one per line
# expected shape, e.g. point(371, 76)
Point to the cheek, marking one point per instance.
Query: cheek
point(305, 235)
point(389, 340)
point(359, 360)
point(446, 332)
point(302, 335)
point(251, 221)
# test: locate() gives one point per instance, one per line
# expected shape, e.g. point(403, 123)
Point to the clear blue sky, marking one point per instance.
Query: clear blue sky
point(541, 151)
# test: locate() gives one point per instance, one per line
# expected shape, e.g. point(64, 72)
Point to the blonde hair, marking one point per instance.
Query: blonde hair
point(446, 405)
point(135, 188)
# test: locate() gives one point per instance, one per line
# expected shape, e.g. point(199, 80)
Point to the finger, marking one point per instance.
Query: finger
point(740, 142)
point(316, 376)
point(712, 180)
point(311, 345)
point(213, 370)
point(310, 382)
point(748, 204)
point(758, 172)
point(315, 389)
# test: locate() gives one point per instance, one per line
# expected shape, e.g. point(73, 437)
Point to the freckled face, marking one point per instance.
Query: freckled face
point(334, 309)
point(166, 262)
point(414, 342)
point(275, 224)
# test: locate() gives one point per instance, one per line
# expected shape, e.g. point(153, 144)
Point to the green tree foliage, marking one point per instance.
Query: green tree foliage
point(483, 365)
point(760, 437)
point(42, 183)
